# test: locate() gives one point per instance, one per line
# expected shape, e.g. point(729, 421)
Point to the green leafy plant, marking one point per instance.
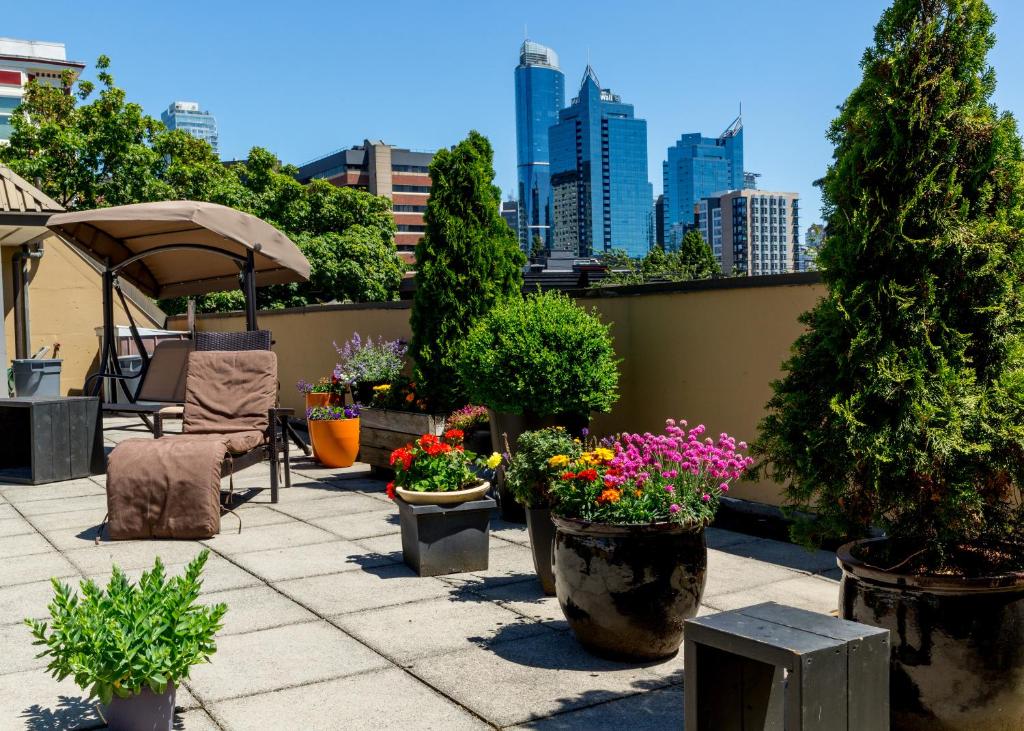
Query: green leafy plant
point(399, 395)
point(119, 640)
point(542, 355)
point(692, 260)
point(468, 418)
point(900, 406)
point(529, 469)
point(437, 464)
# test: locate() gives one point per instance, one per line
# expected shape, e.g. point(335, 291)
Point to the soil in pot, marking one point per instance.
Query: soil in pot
point(542, 538)
point(626, 589)
point(335, 442)
point(957, 641)
point(146, 711)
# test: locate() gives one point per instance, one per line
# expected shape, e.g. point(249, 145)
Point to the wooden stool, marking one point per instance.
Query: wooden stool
point(775, 667)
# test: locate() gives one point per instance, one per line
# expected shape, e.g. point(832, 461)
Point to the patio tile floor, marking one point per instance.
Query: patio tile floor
point(327, 629)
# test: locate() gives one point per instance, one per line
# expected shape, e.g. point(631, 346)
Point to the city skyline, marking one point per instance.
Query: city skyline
point(788, 68)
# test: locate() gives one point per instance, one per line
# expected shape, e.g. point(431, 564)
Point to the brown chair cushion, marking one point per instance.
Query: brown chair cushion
point(228, 392)
point(238, 442)
point(165, 377)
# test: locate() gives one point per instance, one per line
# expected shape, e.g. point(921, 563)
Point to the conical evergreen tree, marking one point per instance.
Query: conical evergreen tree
point(901, 405)
point(466, 261)
point(696, 257)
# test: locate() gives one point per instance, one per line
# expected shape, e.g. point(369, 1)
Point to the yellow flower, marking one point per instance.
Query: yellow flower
point(382, 387)
point(604, 454)
point(494, 460)
point(559, 460)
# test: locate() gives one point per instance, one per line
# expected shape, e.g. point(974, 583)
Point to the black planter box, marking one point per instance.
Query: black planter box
point(446, 539)
point(49, 439)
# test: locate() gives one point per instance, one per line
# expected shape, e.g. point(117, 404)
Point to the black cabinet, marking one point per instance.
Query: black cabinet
point(46, 439)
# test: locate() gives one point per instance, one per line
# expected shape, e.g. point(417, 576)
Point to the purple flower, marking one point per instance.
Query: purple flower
point(673, 508)
point(585, 431)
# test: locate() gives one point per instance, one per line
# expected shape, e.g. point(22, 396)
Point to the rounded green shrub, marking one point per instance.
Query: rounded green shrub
point(541, 355)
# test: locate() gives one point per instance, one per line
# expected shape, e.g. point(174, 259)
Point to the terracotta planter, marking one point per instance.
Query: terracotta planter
point(626, 589)
point(335, 442)
point(147, 710)
point(957, 643)
point(451, 497)
point(542, 538)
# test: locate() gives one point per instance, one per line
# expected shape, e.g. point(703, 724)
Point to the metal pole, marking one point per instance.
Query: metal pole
point(249, 284)
point(108, 328)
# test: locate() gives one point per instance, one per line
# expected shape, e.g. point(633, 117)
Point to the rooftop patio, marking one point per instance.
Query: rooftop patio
point(328, 629)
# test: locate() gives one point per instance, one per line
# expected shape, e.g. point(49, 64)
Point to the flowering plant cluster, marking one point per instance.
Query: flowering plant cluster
point(531, 469)
point(645, 478)
point(332, 413)
point(369, 362)
point(467, 418)
point(399, 395)
point(437, 464)
point(324, 385)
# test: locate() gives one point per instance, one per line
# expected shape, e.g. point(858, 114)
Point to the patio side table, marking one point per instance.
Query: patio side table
point(769, 666)
point(49, 439)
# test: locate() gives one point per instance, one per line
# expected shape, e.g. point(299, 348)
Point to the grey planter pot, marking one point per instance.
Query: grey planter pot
point(542, 538)
point(446, 539)
point(146, 711)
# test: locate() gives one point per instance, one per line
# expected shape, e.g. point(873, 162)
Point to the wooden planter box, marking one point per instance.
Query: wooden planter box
point(382, 431)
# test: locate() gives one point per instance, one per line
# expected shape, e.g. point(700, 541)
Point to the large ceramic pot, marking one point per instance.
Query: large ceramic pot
point(542, 538)
point(626, 589)
point(510, 426)
point(147, 710)
point(317, 399)
point(335, 441)
point(957, 643)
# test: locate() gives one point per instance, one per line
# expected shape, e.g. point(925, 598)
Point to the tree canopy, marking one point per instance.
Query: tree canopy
point(693, 260)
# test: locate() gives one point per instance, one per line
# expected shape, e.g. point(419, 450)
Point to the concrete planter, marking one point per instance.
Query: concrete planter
point(627, 589)
point(957, 643)
point(146, 711)
point(542, 538)
point(446, 539)
point(382, 431)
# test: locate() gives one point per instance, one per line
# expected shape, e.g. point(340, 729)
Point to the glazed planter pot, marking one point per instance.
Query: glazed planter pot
point(510, 426)
point(542, 538)
point(320, 399)
point(147, 710)
point(335, 442)
point(446, 539)
point(449, 497)
point(626, 589)
point(382, 431)
point(957, 643)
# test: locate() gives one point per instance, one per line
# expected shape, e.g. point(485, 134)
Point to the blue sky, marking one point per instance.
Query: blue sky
point(305, 78)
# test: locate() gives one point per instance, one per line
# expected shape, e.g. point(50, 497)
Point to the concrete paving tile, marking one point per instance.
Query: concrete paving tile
point(369, 588)
point(55, 490)
point(264, 537)
point(398, 632)
point(382, 699)
point(348, 503)
point(653, 710)
point(74, 519)
point(719, 537)
point(295, 562)
point(70, 539)
point(389, 546)
point(271, 659)
point(537, 676)
point(814, 593)
point(788, 555)
point(28, 569)
point(65, 505)
point(511, 532)
point(196, 720)
point(361, 525)
point(728, 573)
point(184, 700)
point(528, 599)
point(15, 526)
point(252, 516)
point(33, 700)
point(23, 545)
point(127, 555)
point(29, 600)
point(219, 574)
point(507, 563)
point(17, 650)
point(255, 608)
point(311, 469)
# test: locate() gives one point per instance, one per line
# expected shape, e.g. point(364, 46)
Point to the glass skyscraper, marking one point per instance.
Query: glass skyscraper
point(601, 196)
point(189, 117)
point(696, 168)
point(540, 94)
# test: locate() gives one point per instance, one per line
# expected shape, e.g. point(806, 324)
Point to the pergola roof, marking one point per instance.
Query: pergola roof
point(24, 209)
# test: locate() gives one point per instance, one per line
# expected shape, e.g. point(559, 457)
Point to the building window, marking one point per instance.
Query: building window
point(411, 228)
point(411, 188)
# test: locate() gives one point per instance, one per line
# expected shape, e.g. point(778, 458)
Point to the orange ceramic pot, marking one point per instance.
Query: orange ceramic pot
point(317, 399)
point(335, 443)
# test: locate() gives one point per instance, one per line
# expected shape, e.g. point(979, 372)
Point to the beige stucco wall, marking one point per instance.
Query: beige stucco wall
point(65, 306)
point(708, 356)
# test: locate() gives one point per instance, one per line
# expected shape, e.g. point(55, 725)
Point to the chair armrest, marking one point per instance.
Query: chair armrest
point(279, 411)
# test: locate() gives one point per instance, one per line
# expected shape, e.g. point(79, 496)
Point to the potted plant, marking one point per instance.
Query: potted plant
point(629, 553)
point(540, 456)
point(398, 414)
point(130, 645)
point(366, 364)
point(901, 407)
point(536, 362)
point(334, 433)
point(473, 421)
point(442, 504)
point(323, 392)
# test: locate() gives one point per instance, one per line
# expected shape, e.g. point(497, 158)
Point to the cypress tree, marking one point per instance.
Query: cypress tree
point(696, 257)
point(901, 405)
point(467, 260)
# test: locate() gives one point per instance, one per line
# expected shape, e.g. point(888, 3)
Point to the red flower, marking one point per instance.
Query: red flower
point(437, 449)
point(391, 490)
point(568, 476)
point(427, 439)
point(454, 435)
point(589, 475)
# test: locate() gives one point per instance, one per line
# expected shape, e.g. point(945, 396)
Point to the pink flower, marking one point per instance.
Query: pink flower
point(673, 508)
point(670, 488)
point(705, 497)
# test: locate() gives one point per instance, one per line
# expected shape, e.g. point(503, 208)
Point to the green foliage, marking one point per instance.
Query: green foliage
point(693, 260)
point(542, 355)
point(537, 248)
point(695, 257)
point(437, 464)
point(118, 640)
point(901, 404)
point(467, 260)
point(529, 473)
point(91, 150)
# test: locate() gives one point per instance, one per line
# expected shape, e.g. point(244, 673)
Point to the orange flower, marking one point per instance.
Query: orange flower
point(454, 435)
point(568, 476)
point(638, 493)
point(609, 495)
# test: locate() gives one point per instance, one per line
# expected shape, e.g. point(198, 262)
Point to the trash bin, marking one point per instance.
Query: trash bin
point(131, 366)
point(36, 376)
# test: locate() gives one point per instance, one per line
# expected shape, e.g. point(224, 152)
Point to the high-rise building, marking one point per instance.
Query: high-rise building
point(540, 94)
point(399, 174)
point(601, 197)
point(510, 212)
point(752, 232)
point(659, 221)
point(188, 117)
point(23, 61)
point(698, 167)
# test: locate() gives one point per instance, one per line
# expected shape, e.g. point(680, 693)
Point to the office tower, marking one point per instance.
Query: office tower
point(187, 116)
point(659, 221)
point(540, 94)
point(510, 212)
point(751, 232)
point(601, 197)
point(22, 61)
point(697, 167)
